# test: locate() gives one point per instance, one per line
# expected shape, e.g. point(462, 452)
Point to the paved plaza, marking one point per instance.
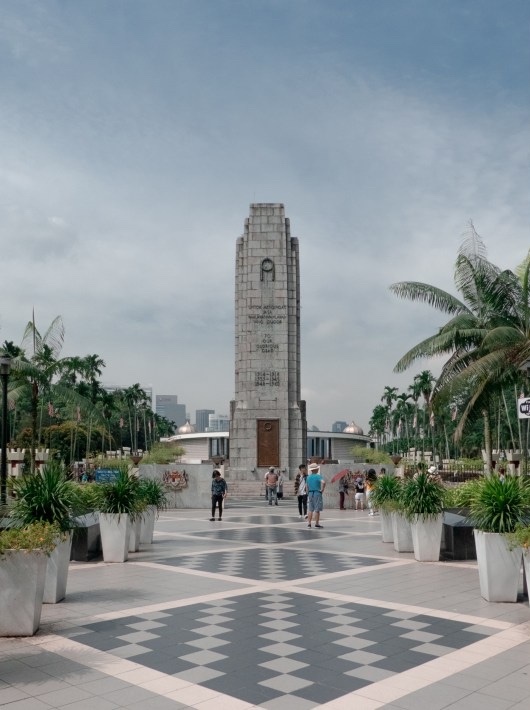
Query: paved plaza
point(260, 611)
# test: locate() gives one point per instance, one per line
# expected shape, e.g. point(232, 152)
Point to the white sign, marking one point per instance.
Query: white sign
point(523, 407)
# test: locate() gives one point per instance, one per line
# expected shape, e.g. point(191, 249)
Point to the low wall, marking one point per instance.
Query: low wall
point(197, 493)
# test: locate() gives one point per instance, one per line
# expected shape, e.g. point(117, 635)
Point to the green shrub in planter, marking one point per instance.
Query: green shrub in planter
point(387, 493)
point(120, 497)
point(500, 506)
point(520, 537)
point(153, 493)
point(35, 537)
point(422, 496)
point(46, 496)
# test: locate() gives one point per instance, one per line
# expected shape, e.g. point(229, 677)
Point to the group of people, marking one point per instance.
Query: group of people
point(309, 486)
point(360, 486)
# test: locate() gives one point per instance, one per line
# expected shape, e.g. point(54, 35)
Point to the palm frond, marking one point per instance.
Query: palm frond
point(433, 296)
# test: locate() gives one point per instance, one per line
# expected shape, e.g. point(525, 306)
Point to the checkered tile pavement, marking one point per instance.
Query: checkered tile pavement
point(271, 563)
point(259, 611)
point(265, 645)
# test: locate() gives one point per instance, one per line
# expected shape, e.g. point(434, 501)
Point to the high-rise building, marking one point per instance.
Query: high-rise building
point(218, 422)
point(167, 406)
point(201, 418)
point(338, 427)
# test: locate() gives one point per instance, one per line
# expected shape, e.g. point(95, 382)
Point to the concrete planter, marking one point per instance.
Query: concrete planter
point(115, 533)
point(427, 537)
point(22, 576)
point(148, 525)
point(402, 533)
point(134, 535)
point(386, 526)
point(57, 572)
point(499, 568)
point(526, 564)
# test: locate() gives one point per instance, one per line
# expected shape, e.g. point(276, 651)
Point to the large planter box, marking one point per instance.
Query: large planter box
point(402, 533)
point(386, 526)
point(426, 538)
point(22, 576)
point(134, 535)
point(115, 532)
point(86, 540)
point(499, 568)
point(458, 542)
point(148, 525)
point(57, 572)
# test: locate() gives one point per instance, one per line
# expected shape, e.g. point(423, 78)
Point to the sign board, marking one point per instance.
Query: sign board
point(106, 475)
point(523, 407)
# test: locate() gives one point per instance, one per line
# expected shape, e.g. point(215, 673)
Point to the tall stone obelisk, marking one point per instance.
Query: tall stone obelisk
point(267, 417)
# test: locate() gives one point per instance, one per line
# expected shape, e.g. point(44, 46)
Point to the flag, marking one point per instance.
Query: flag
point(453, 414)
point(78, 414)
point(431, 419)
point(51, 412)
point(121, 422)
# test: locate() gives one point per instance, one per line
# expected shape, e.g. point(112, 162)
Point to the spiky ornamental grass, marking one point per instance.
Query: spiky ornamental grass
point(387, 493)
point(422, 496)
point(153, 493)
point(46, 496)
point(121, 497)
point(499, 506)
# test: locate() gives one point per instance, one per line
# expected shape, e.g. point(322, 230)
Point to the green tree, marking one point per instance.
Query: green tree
point(487, 339)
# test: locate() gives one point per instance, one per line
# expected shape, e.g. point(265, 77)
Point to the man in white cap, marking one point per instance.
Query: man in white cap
point(315, 488)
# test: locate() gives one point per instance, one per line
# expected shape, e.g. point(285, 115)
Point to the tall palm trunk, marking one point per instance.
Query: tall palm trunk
point(34, 413)
point(487, 441)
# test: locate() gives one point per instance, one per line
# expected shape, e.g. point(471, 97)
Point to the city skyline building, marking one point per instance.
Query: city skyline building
point(339, 426)
point(201, 418)
point(218, 422)
point(166, 405)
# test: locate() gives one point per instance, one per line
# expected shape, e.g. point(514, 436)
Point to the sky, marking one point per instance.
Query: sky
point(134, 134)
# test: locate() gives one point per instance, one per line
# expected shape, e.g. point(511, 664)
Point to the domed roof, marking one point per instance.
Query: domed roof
point(353, 428)
point(186, 428)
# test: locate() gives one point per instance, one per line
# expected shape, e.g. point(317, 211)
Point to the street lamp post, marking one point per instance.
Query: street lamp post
point(5, 366)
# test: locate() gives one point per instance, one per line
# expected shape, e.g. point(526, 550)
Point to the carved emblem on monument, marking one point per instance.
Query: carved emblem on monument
point(267, 268)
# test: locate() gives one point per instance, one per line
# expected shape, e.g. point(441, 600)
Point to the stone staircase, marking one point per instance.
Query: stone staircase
point(255, 490)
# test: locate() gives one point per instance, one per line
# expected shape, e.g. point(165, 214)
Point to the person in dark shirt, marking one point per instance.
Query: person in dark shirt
point(219, 491)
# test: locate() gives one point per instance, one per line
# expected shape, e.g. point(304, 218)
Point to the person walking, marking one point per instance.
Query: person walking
point(300, 490)
point(219, 491)
point(271, 484)
point(315, 488)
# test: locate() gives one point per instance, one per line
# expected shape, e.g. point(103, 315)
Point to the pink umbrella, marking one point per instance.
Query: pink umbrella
point(340, 475)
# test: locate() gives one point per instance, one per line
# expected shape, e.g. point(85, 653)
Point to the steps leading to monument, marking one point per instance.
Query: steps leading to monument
point(255, 489)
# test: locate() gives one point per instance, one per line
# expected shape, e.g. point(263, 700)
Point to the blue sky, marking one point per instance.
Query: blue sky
point(134, 134)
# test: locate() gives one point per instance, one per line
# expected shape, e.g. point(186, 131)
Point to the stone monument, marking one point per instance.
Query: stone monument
point(267, 417)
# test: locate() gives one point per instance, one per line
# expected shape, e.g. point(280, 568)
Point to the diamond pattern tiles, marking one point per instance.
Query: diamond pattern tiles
point(272, 564)
point(262, 646)
point(272, 535)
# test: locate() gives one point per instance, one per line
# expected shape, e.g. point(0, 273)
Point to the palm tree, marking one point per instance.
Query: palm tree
point(487, 338)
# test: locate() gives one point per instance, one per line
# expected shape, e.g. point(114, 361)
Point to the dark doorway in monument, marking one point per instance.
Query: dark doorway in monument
point(268, 436)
